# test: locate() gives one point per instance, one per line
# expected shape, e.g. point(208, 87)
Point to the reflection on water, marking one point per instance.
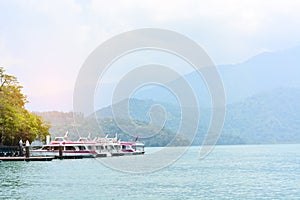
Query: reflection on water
point(252, 172)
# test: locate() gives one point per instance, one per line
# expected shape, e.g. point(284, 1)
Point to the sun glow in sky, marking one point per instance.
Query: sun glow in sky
point(44, 43)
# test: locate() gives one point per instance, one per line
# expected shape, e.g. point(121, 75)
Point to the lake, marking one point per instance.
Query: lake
point(229, 172)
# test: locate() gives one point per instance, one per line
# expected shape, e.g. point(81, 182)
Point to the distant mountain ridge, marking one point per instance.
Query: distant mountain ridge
point(271, 117)
point(262, 104)
point(261, 73)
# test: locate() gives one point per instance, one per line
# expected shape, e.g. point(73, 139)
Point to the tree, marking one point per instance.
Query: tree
point(15, 121)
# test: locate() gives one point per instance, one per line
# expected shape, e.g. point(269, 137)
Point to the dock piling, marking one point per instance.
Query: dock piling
point(27, 152)
point(60, 152)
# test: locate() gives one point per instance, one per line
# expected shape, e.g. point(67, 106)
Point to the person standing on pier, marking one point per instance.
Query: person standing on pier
point(21, 147)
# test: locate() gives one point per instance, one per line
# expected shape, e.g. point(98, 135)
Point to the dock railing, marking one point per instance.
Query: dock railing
point(9, 151)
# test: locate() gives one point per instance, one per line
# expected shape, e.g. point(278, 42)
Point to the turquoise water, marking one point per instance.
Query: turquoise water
point(229, 172)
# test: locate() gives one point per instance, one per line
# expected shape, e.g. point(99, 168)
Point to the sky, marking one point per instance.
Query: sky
point(44, 43)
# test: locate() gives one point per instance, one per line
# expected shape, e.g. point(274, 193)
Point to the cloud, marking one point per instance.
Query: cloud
point(45, 42)
point(237, 14)
point(231, 31)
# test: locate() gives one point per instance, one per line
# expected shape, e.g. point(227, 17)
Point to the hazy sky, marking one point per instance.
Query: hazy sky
point(44, 43)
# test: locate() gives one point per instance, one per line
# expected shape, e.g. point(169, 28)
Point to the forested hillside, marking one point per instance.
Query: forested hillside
point(271, 117)
point(78, 126)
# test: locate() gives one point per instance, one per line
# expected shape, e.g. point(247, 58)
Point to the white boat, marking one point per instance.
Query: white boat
point(63, 147)
point(107, 147)
point(132, 148)
point(113, 147)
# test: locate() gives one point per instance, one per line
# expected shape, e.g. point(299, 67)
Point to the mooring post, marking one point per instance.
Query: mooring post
point(21, 151)
point(60, 151)
point(27, 151)
point(27, 148)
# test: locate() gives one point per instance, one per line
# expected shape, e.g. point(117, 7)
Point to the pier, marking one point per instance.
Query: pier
point(12, 153)
point(5, 159)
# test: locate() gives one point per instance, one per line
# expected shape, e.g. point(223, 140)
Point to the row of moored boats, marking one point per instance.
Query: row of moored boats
point(86, 148)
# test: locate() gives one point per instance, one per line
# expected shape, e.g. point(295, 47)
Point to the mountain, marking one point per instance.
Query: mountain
point(262, 106)
point(269, 117)
point(78, 126)
point(262, 73)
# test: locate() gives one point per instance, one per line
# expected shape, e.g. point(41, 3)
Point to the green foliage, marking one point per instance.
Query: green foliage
point(269, 117)
point(149, 134)
point(15, 121)
point(272, 117)
point(78, 126)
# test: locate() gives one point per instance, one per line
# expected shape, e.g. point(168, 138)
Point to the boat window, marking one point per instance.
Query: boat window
point(90, 148)
point(126, 147)
point(46, 148)
point(81, 147)
point(70, 148)
point(56, 148)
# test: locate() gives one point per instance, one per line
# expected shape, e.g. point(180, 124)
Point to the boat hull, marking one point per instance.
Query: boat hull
point(65, 154)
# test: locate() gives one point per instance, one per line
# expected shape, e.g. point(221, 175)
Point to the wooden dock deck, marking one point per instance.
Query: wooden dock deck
point(5, 159)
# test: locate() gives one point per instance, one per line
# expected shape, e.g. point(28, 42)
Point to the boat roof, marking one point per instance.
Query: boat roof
point(66, 141)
